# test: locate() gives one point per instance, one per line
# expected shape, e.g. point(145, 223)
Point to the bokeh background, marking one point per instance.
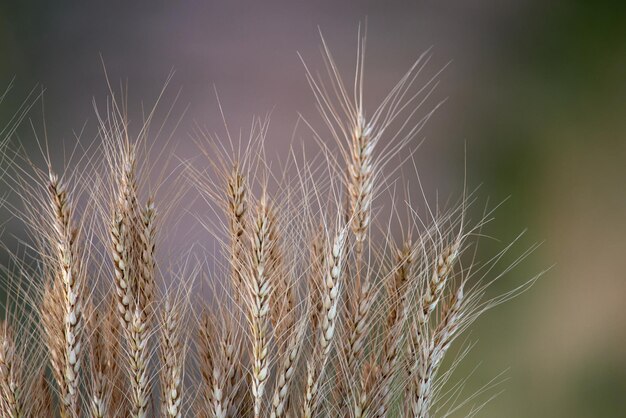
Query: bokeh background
point(536, 112)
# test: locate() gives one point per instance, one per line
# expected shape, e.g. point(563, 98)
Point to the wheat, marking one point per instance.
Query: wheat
point(217, 368)
point(437, 282)
point(237, 206)
point(400, 285)
point(101, 396)
point(10, 384)
point(111, 327)
point(287, 371)
point(331, 291)
point(69, 282)
point(41, 397)
point(132, 236)
point(311, 306)
point(259, 289)
point(431, 353)
point(172, 359)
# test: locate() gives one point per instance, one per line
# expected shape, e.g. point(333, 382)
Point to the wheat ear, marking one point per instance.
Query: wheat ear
point(421, 338)
point(214, 381)
point(111, 328)
point(431, 352)
point(51, 314)
point(236, 196)
point(360, 184)
point(147, 238)
point(65, 241)
point(138, 357)
point(367, 387)
point(10, 379)
point(41, 396)
point(400, 285)
point(219, 366)
point(172, 359)
point(133, 281)
point(331, 289)
point(287, 370)
point(259, 290)
point(314, 272)
point(206, 360)
point(100, 386)
point(361, 179)
point(437, 282)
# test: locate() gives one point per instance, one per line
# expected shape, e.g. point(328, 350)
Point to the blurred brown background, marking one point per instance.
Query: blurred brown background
point(537, 91)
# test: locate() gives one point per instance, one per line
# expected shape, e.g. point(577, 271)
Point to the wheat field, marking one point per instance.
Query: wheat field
point(310, 305)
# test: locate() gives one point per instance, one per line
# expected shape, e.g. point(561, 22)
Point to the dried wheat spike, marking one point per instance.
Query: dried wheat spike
point(206, 360)
point(287, 370)
point(437, 283)
point(69, 279)
point(10, 374)
point(367, 388)
point(220, 352)
point(147, 236)
point(101, 387)
point(259, 290)
point(330, 299)
point(400, 283)
point(111, 328)
point(123, 262)
point(41, 396)
point(237, 205)
point(172, 362)
point(316, 270)
point(430, 353)
point(51, 314)
point(125, 238)
point(358, 327)
point(361, 179)
point(138, 357)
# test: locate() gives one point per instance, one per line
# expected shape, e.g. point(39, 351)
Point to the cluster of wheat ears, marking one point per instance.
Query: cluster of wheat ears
point(309, 305)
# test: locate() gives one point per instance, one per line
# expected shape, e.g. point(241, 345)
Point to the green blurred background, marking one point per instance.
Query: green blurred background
point(536, 90)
